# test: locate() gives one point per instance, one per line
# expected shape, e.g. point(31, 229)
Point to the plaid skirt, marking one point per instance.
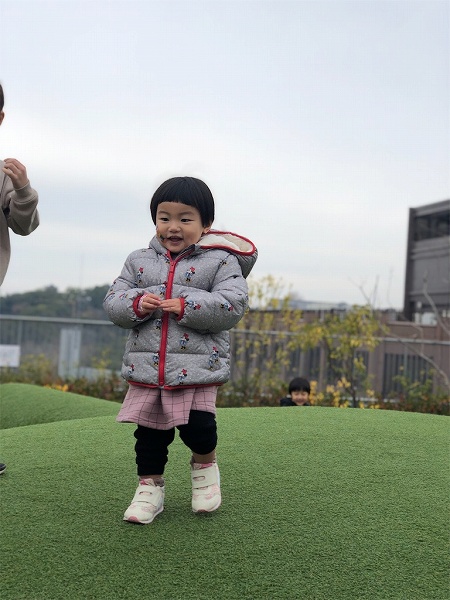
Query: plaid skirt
point(163, 409)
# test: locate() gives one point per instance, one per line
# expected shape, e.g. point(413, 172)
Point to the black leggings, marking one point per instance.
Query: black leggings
point(152, 445)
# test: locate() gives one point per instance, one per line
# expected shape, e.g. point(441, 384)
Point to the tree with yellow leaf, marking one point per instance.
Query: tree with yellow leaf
point(344, 335)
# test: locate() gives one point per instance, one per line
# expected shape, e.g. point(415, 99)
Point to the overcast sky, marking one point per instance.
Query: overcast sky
point(316, 124)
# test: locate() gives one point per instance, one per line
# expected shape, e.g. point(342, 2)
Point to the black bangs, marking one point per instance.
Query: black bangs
point(299, 384)
point(186, 190)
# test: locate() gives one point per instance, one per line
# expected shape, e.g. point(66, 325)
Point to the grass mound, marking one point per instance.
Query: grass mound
point(23, 404)
point(318, 504)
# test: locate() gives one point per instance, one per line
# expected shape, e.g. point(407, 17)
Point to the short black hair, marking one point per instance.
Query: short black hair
point(187, 190)
point(2, 98)
point(299, 384)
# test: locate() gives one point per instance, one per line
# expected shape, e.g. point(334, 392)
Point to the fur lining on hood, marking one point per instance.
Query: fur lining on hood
point(241, 247)
point(226, 239)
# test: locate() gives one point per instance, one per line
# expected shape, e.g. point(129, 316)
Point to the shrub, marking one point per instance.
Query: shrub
point(36, 369)
point(418, 396)
point(107, 387)
point(414, 396)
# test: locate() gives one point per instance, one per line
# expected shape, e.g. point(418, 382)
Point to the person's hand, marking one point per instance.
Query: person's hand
point(16, 171)
point(149, 303)
point(172, 305)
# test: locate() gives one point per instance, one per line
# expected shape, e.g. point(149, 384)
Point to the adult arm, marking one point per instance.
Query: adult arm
point(19, 199)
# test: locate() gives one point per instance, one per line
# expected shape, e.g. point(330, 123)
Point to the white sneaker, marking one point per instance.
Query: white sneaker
point(206, 495)
point(147, 503)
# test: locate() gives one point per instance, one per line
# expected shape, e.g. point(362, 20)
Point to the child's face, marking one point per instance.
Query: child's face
point(299, 397)
point(178, 226)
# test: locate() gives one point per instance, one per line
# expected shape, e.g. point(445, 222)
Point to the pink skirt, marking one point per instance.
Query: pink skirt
point(164, 409)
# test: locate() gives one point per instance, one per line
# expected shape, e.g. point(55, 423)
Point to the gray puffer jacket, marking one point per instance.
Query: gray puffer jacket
point(193, 349)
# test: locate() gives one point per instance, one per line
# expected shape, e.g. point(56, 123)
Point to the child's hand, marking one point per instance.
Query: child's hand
point(16, 171)
point(149, 303)
point(172, 305)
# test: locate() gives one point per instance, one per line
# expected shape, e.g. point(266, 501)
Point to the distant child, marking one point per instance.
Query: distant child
point(179, 297)
point(299, 390)
point(18, 200)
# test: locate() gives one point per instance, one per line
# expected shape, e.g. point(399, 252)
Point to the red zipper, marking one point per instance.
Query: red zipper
point(165, 319)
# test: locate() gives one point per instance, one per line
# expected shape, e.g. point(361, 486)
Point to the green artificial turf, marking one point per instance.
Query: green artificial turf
point(23, 404)
point(318, 503)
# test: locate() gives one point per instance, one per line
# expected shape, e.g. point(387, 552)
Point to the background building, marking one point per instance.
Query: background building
point(427, 281)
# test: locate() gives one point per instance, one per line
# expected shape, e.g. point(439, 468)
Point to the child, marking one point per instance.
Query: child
point(299, 390)
point(178, 297)
point(18, 200)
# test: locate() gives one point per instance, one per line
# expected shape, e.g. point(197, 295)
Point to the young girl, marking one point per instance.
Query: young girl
point(179, 297)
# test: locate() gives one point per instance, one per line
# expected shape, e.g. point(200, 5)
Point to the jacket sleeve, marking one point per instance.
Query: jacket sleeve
point(223, 306)
point(286, 401)
point(120, 300)
point(20, 208)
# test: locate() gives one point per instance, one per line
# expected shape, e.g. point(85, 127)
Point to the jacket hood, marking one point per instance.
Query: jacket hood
point(244, 250)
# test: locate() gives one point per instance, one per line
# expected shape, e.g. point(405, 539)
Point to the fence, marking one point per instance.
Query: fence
point(75, 347)
point(392, 357)
point(79, 348)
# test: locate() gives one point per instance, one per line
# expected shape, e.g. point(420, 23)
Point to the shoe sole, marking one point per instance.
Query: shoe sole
point(200, 511)
point(137, 521)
